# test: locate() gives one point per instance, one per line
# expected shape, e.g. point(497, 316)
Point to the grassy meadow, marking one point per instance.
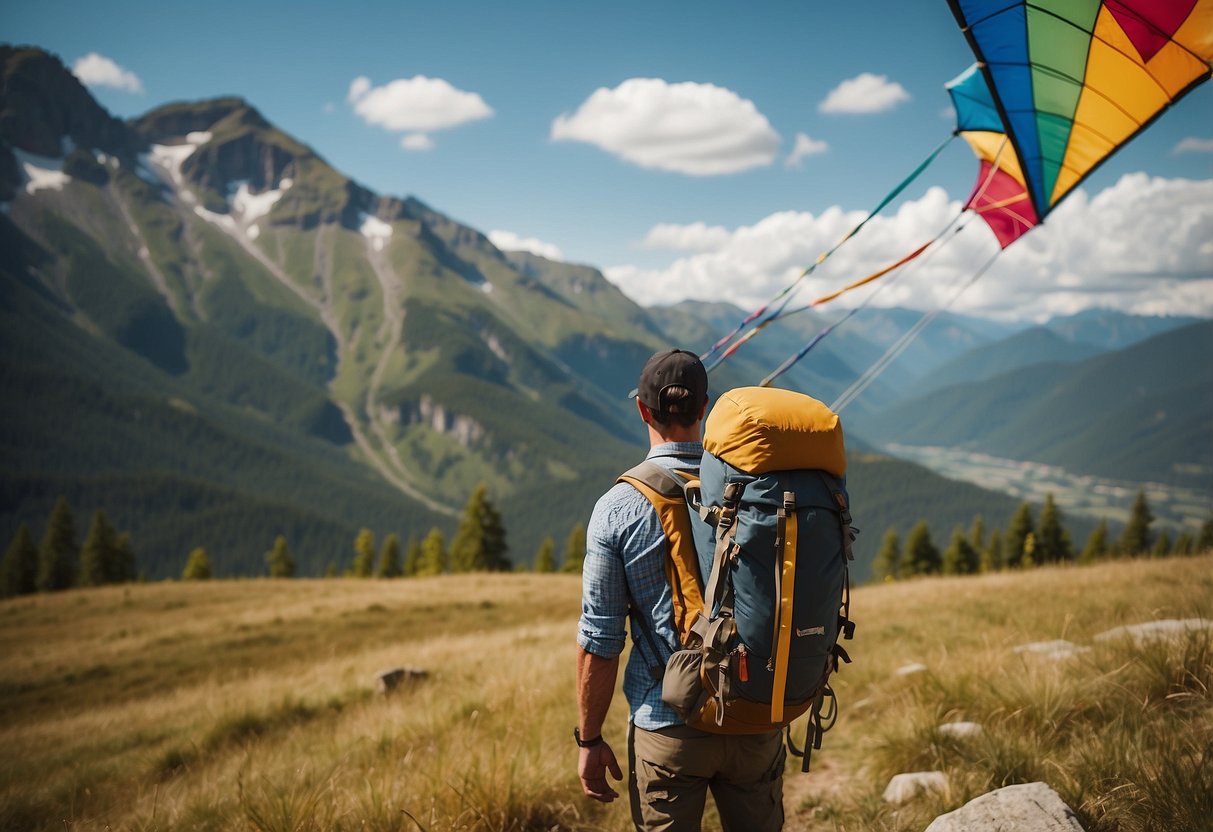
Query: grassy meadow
point(252, 705)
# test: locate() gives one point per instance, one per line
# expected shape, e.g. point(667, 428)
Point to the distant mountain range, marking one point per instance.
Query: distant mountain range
point(213, 335)
point(1141, 413)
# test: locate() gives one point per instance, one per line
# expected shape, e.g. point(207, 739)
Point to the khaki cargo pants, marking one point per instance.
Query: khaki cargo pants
point(671, 770)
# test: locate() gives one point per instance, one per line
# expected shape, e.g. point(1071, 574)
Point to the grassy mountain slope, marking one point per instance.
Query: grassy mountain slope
point(1138, 413)
point(251, 704)
point(1033, 346)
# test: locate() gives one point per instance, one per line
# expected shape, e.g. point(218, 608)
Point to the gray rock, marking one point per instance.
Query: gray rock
point(1150, 631)
point(905, 787)
point(961, 729)
point(1029, 807)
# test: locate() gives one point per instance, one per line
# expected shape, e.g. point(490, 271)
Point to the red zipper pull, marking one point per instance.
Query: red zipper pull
point(743, 667)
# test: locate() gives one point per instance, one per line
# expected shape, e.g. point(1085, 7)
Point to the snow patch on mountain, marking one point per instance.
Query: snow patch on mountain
point(251, 206)
point(41, 172)
point(375, 230)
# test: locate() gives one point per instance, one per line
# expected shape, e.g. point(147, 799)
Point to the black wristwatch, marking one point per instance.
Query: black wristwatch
point(598, 740)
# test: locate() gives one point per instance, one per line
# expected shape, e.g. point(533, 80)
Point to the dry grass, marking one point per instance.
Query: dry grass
point(249, 704)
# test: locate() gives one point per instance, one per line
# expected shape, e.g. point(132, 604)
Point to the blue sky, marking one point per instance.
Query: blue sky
point(732, 222)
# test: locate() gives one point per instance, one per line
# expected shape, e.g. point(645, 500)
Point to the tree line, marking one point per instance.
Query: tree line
point(479, 545)
point(59, 562)
point(1029, 542)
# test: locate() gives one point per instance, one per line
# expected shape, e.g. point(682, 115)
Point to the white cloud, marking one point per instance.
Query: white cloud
point(696, 129)
point(96, 70)
point(417, 106)
point(417, 141)
point(1140, 246)
point(805, 146)
point(359, 87)
point(509, 241)
point(1194, 145)
point(694, 237)
point(865, 93)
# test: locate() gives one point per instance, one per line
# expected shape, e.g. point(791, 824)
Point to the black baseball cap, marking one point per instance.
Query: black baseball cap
point(671, 368)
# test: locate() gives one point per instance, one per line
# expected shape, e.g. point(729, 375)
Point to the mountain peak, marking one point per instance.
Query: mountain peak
point(42, 102)
point(180, 118)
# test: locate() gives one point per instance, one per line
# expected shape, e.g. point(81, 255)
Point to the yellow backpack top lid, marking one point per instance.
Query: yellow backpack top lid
point(762, 429)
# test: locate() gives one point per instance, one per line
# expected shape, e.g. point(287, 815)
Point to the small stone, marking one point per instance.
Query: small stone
point(389, 680)
point(911, 669)
point(905, 787)
point(1056, 649)
point(963, 730)
point(1028, 807)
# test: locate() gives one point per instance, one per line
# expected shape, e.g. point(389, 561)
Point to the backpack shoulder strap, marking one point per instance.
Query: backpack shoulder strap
point(664, 491)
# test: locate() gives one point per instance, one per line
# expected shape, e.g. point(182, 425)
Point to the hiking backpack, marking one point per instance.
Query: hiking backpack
point(768, 522)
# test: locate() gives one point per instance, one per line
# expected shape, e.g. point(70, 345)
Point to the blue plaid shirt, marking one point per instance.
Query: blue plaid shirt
point(625, 553)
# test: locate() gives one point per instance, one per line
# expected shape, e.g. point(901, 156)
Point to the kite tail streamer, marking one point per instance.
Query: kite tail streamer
point(793, 359)
point(851, 393)
point(821, 258)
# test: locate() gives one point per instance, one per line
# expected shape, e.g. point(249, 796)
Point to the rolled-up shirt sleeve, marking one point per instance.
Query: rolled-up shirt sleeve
point(604, 595)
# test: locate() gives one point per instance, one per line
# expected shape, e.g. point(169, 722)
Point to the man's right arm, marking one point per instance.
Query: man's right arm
point(601, 638)
point(596, 678)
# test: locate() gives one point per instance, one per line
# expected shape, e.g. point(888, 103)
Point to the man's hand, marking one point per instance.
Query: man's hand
point(593, 767)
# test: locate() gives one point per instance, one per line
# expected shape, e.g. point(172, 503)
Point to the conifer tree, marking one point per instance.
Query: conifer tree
point(364, 554)
point(124, 564)
point(1162, 545)
point(99, 556)
point(1205, 542)
point(574, 550)
point(19, 574)
point(282, 565)
point(921, 555)
point(433, 554)
point(330, 571)
point(479, 543)
point(1052, 540)
point(1029, 552)
point(977, 534)
point(545, 558)
point(960, 558)
point(412, 557)
point(1183, 544)
point(1017, 536)
point(1096, 547)
point(888, 559)
point(991, 555)
point(58, 552)
point(389, 558)
point(198, 567)
point(1135, 539)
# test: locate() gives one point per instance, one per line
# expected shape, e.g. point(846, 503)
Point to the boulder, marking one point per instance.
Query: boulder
point(1028, 807)
point(905, 787)
point(1161, 630)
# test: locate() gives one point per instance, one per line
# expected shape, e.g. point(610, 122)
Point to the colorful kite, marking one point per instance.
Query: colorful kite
point(1059, 86)
point(1062, 84)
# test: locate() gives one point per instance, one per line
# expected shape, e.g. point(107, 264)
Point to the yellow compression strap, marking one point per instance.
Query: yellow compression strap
point(783, 644)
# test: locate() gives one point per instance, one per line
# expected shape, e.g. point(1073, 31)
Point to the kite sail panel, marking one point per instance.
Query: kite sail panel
point(1073, 80)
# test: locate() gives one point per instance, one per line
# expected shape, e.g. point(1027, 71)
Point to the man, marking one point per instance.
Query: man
point(672, 766)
